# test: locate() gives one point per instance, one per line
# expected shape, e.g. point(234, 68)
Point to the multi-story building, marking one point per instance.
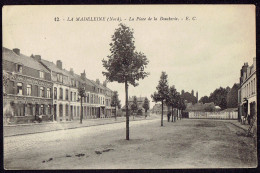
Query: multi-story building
point(29, 88)
point(40, 87)
point(61, 88)
point(247, 102)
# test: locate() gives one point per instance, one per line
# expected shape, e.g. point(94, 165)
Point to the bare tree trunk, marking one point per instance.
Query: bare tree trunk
point(172, 113)
point(162, 115)
point(177, 114)
point(81, 112)
point(115, 112)
point(126, 109)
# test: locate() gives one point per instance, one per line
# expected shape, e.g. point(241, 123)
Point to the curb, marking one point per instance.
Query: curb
point(245, 129)
point(71, 128)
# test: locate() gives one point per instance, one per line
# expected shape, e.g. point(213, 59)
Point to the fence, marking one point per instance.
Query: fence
point(214, 115)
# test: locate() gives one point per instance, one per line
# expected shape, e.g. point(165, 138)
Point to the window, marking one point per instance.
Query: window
point(74, 96)
point(29, 90)
point(48, 92)
point(19, 88)
point(42, 110)
point(19, 68)
point(59, 77)
point(71, 96)
point(41, 92)
point(87, 98)
point(42, 74)
point(49, 109)
point(61, 93)
point(67, 94)
point(55, 93)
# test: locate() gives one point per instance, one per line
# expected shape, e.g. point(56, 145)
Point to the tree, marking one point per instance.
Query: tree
point(219, 97)
point(125, 65)
point(146, 106)
point(115, 102)
point(172, 98)
point(82, 94)
point(232, 96)
point(181, 105)
point(162, 91)
point(134, 106)
point(204, 99)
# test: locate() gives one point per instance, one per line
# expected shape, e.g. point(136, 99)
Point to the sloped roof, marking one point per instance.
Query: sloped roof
point(139, 99)
point(27, 61)
point(53, 67)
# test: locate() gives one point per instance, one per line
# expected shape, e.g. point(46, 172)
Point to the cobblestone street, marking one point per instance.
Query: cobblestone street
point(183, 144)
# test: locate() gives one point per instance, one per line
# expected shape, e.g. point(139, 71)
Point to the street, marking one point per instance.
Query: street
point(183, 144)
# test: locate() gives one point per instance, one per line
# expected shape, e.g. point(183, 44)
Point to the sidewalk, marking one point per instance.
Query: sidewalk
point(15, 130)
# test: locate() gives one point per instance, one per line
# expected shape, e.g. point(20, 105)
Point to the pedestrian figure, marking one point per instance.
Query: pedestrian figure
point(169, 115)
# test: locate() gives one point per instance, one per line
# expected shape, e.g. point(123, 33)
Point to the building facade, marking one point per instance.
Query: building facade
point(29, 88)
point(247, 101)
point(37, 87)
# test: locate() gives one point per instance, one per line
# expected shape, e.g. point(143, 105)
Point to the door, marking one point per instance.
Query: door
point(55, 112)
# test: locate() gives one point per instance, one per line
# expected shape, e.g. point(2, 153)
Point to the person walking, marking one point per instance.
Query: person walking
point(169, 115)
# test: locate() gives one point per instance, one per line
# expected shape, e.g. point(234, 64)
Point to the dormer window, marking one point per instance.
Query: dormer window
point(19, 68)
point(42, 74)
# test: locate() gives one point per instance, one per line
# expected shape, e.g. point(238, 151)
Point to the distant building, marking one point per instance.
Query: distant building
point(140, 102)
point(247, 102)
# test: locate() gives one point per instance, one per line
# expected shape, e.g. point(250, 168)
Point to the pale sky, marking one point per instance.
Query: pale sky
point(201, 54)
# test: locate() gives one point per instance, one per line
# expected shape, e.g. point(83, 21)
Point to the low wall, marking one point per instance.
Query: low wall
point(214, 115)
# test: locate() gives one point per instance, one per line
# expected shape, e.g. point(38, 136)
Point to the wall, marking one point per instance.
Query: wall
point(214, 115)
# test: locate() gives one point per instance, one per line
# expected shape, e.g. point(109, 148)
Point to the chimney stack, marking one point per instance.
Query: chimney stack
point(192, 92)
point(17, 51)
point(71, 71)
point(37, 57)
point(83, 75)
point(59, 64)
point(105, 83)
point(197, 96)
point(97, 81)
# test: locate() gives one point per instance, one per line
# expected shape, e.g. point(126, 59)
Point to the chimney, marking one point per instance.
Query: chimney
point(71, 71)
point(197, 96)
point(105, 83)
point(59, 64)
point(37, 57)
point(182, 92)
point(192, 92)
point(97, 81)
point(83, 75)
point(17, 51)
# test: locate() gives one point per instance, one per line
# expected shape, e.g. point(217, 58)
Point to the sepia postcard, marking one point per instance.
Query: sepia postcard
point(129, 87)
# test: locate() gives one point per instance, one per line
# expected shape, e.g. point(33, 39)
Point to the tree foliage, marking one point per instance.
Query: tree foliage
point(146, 105)
point(172, 97)
point(115, 102)
point(189, 97)
point(124, 63)
point(232, 96)
point(162, 91)
point(204, 99)
point(219, 97)
point(134, 105)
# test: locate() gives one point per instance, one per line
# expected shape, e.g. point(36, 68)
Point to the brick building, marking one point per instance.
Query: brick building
point(29, 88)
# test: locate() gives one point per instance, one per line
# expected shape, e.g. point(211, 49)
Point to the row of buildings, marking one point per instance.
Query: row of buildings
point(36, 87)
point(247, 92)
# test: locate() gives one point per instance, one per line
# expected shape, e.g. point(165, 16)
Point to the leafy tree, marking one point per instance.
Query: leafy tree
point(146, 105)
point(134, 105)
point(115, 102)
point(204, 99)
point(172, 99)
point(219, 97)
point(181, 105)
point(189, 97)
point(232, 96)
point(82, 94)
point(125, 65)
point(6, 79)
point(162, 91)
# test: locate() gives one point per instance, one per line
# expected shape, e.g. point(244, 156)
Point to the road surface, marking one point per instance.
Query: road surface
point(183, 144)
